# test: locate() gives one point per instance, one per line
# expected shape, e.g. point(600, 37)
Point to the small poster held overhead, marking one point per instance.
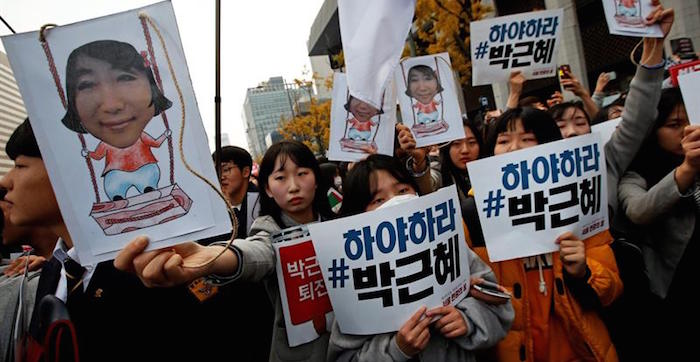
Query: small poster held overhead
point(528, 198)
point(305, 304)
point(427, 95)
point(528, 42)
point(357, 128)
point(628, 18)
point(107, 99)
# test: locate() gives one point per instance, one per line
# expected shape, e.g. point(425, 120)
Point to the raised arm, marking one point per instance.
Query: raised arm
point(640, 107)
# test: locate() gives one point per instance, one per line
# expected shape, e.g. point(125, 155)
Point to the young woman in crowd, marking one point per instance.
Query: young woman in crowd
point(448, 333)
point(454, 158)
point(291, 193)
point(555, 295)
point(659, 194)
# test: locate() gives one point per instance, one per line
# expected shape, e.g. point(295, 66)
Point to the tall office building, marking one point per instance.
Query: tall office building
point(264, 107)
point(12, 111)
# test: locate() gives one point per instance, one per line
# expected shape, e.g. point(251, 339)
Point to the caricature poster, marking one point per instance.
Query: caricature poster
point(627, 17)
point(427, 96)
point(107, 99)
point(358, 128)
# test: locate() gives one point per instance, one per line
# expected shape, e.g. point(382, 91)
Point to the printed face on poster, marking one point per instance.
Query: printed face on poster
point(628, 18)
point(382, 266)
point(690, 88)
point(427, 95)
point(106, 113)
point(528, 42)
point(305, 303)
point(528, 198)
point(357, 127)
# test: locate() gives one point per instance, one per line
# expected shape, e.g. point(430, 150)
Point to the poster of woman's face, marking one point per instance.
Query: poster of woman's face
point(358, 128)
point(628, 17)
point(428, 99)
point(106, 111)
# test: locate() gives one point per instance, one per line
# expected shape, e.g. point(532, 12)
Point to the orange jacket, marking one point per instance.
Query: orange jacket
point(586, 333)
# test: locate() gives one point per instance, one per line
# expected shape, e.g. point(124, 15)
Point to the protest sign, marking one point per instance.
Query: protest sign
point(382, 266)
point(606, 129)
point(427, 95)
point(528, 198)
point(305, 304)
point(528, 42)
point(628, 18)
point(690, 88)
point(357, 128)
point(107, 119)
point(682, 69)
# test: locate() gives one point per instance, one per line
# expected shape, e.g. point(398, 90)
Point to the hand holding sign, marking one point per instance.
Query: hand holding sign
point(691, 146)
point(451, 323)
point(573, 254)
point(414, 335)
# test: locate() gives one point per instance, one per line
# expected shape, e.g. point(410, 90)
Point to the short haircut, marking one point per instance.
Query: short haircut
point(119, 55)
point(558, 110)
point(358, 183)
point(534, 120)
point(423, 69)
point(239, 156)
point(22, 142)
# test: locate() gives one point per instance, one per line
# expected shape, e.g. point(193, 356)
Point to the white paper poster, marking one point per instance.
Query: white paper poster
point(690, 89)
point(307, 309)
point(382, 266)
point(357, 128)
point(628, 18)
point(528, 198)
point(606, 129)
point(106, 111)
point(427, 94)
point(528, 42)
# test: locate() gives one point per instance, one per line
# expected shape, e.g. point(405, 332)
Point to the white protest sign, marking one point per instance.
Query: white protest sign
point(690, 88)
point(106, 111)
point(305, 304)
point(357, 127)
point(382, 266)
point(606, 129)
point(628, 18)
point(528, 42)
point(528, 198)
point(427, 94)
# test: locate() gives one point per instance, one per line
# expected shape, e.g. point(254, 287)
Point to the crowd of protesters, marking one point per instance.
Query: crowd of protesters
point(625, 293)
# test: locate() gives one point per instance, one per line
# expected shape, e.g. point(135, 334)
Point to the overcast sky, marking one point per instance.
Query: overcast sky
point(260, 39)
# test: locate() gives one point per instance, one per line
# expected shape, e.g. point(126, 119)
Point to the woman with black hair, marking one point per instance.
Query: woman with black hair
point(660, 194)
point(448, 333)
point(455, 156)
point(556, 295)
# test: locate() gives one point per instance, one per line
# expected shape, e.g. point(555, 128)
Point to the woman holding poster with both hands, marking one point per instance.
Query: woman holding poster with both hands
point(448, 333)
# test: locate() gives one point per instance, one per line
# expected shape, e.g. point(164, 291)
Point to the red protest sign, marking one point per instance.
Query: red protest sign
point(306, 292)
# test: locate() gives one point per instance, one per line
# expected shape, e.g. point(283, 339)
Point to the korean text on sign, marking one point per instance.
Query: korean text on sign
point(539, 194)
point(381, 266)
point(305, 301)
point(528, 42)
